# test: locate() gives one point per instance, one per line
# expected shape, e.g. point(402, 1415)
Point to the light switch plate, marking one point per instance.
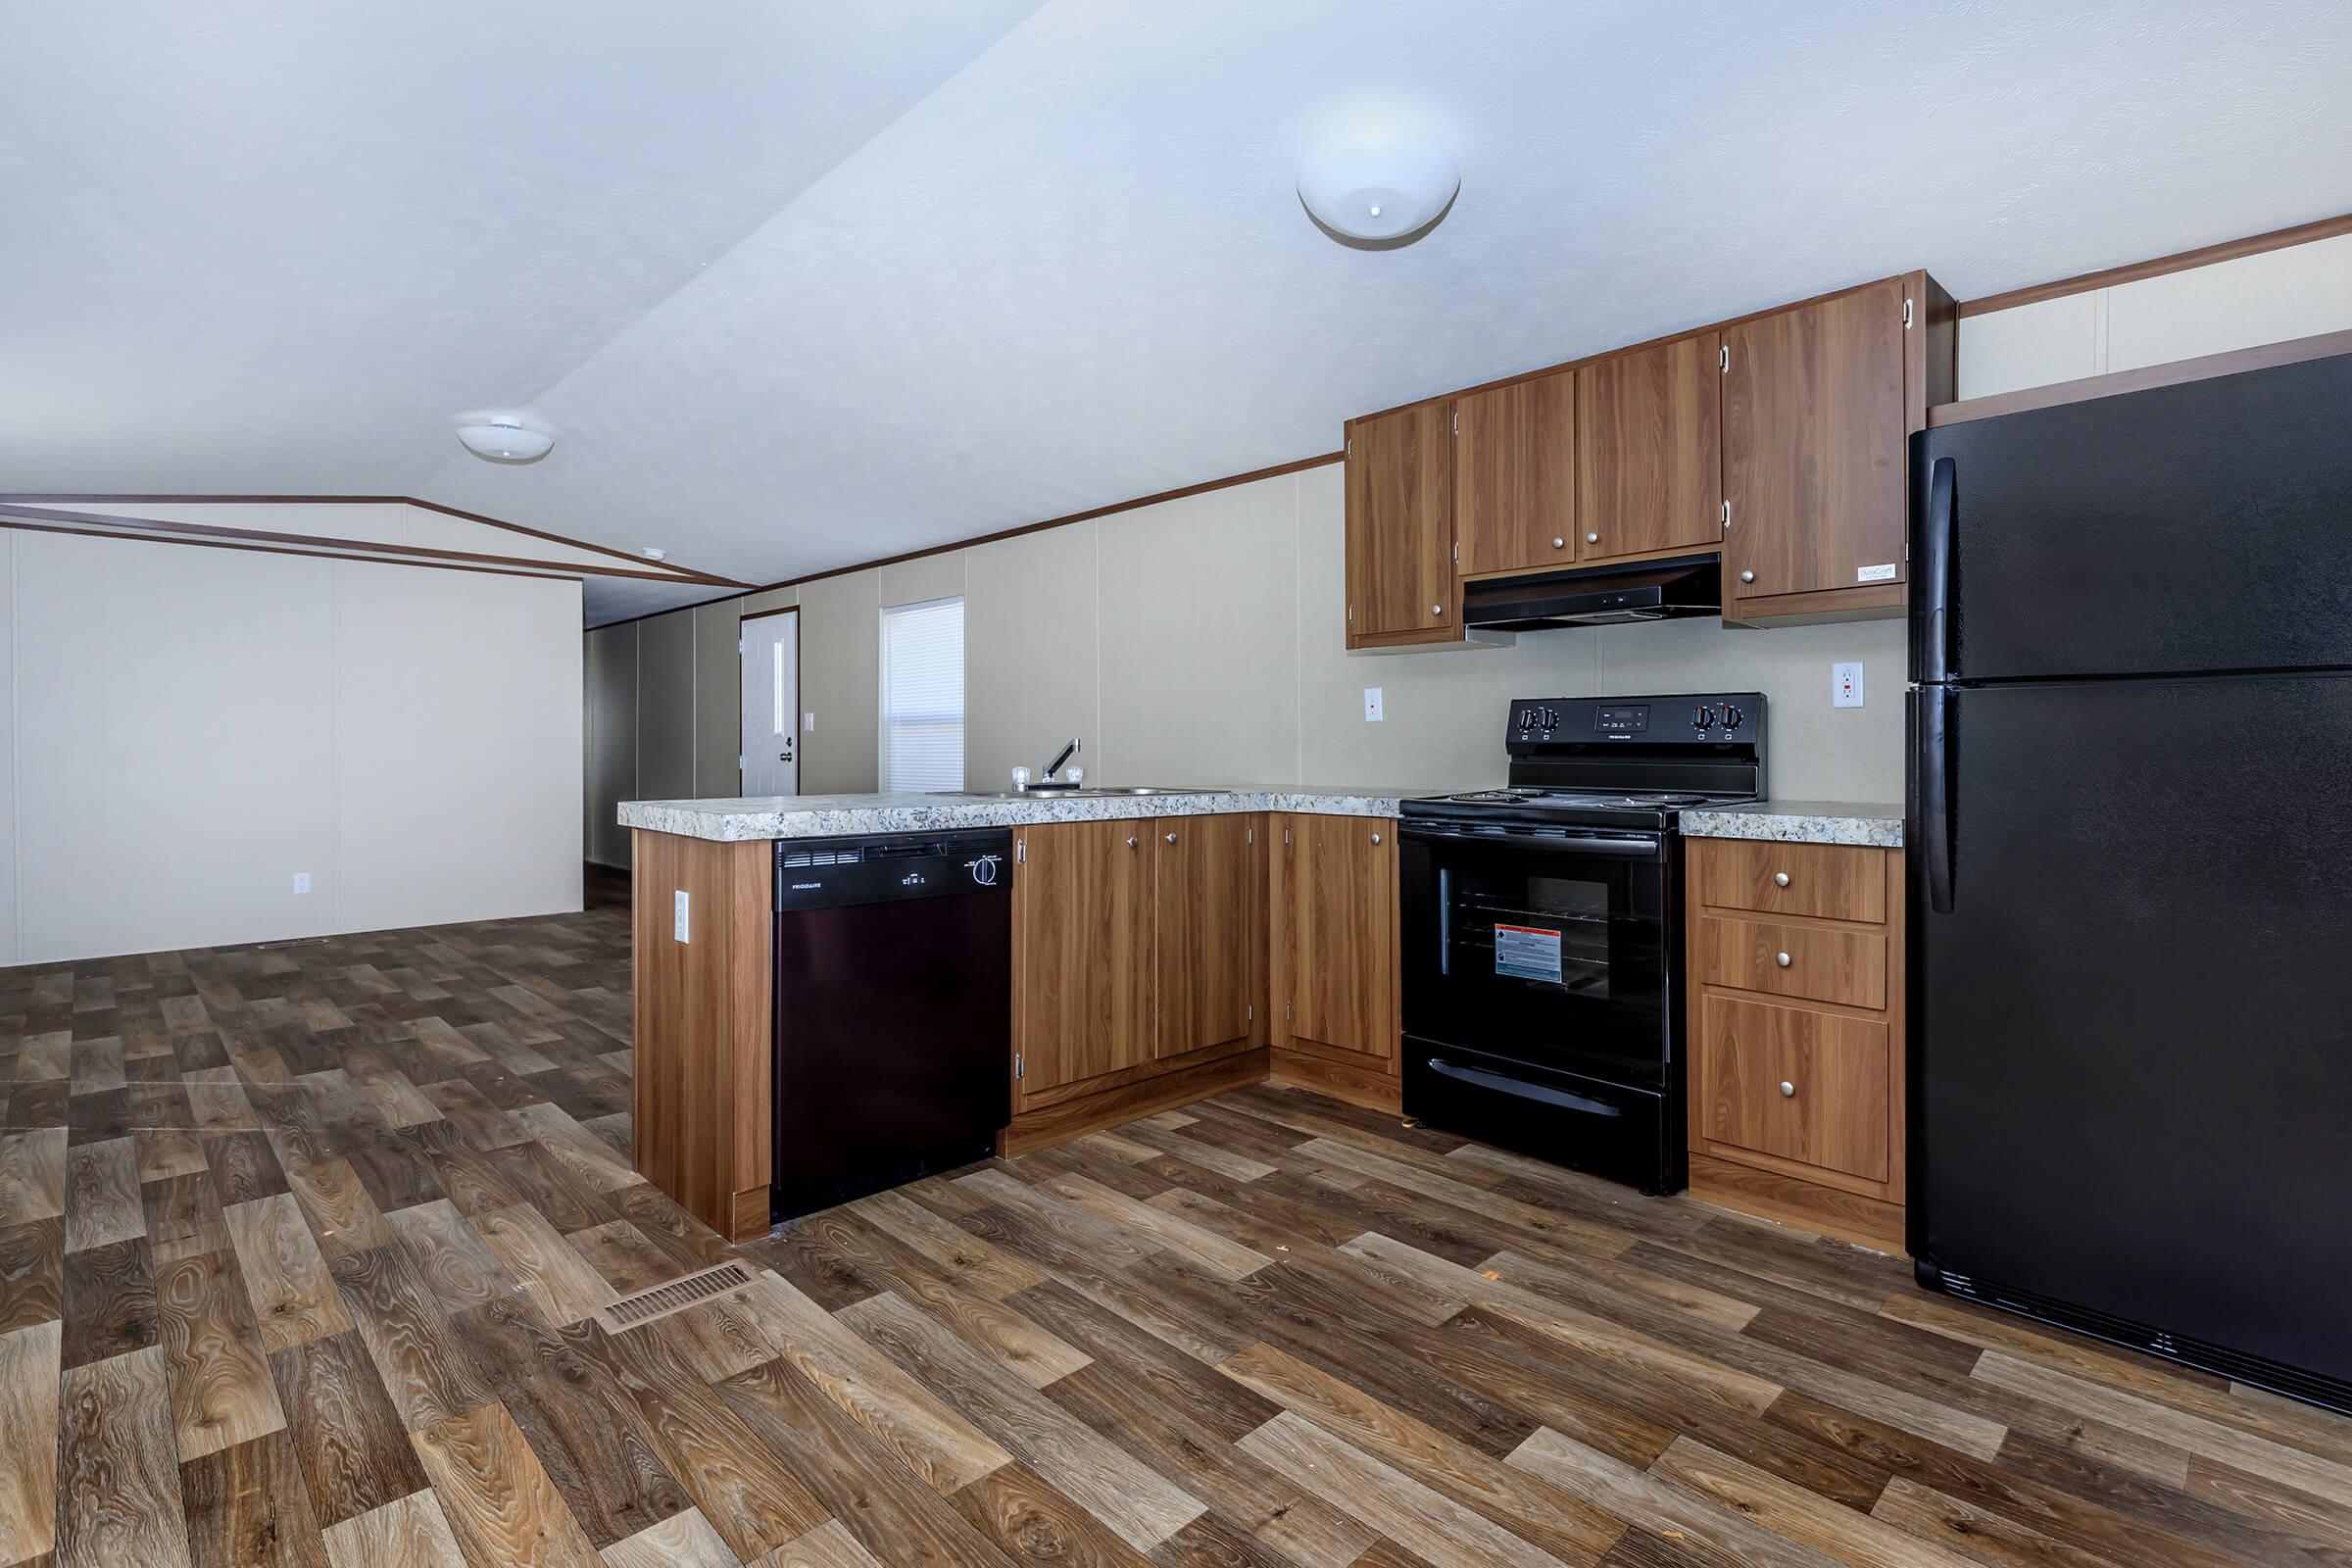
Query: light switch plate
point(1845, 685)
point(1371, 705)
point(679, 928)
point(809, 720)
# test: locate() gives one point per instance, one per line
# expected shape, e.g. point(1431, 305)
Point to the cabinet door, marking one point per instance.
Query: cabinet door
point(1648, 450)
point(1340, 893)
point(1205, 932)
point(1797, 1083)
point(1514, 470)
point(1081, 951)
point(1401, 522)
point(1814, 429)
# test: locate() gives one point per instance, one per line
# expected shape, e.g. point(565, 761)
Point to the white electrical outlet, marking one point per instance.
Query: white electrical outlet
point(302, 881)
point(1845, 685)
point(1371, 705)
point(679, 922)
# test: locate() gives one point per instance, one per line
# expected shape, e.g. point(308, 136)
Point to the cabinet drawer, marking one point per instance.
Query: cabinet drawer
point(1820, 962)
point(1824, 879)
point(1805, 1086)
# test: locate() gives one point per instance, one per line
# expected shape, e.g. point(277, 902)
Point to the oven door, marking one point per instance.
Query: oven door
point(1543, 945)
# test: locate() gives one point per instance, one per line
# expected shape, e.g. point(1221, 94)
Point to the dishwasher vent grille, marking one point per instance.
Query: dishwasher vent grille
point(848, 856)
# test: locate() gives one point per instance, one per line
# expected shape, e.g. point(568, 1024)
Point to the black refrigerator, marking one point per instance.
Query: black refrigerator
point(2130, 853)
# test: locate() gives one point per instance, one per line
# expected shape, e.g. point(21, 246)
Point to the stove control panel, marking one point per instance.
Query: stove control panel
point(1543, 726)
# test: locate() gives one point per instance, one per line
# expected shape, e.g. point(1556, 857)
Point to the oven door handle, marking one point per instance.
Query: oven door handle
point(1524, 1090)
point(1550, 843)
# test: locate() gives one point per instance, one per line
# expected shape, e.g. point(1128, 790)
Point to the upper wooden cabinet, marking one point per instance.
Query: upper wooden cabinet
point(1335, 939)
point(1648, 450)
point(1819, 403)
point(1400, 572)
point(1082, 913)
point(1208, 944)
point(1780, 439)
point(1514, 475)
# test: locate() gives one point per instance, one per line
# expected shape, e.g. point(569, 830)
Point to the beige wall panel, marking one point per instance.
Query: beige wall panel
point(8, 749)
point(1200, 637)
point(2268, 297)
point(910, 582)
point(665, 706)
point(611, 739)
point(717, 699)
point(1032, 667)
point(2032, 345)
point(1813, 751)
point(174, 747)
point(458, 706)
point(841, 659)
point(1442, 727)
point(766, 598)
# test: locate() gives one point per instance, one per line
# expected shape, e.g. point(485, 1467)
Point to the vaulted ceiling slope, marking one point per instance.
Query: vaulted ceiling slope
point(803, 284)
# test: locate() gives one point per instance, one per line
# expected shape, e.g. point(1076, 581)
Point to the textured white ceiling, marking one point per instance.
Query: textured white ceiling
point(807, 284)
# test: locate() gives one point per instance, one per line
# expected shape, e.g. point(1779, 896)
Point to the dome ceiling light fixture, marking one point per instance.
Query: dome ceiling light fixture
point(500, 437)
point(1379, 193)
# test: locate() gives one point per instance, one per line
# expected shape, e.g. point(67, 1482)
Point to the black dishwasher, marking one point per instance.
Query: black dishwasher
point(894, 1010)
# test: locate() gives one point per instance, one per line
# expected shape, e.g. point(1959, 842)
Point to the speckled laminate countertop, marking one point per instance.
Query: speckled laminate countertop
point(811, 817)
point(1869, 824)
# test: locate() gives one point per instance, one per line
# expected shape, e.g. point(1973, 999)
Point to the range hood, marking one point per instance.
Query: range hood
point(1598, 596)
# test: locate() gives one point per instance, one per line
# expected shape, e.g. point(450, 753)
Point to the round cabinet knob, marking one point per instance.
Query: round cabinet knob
point(1591, 538)
point(1779, 879)
point(1376, 838)
point(1171, 838)
point(1558, 543)
point(1131, 845)
point(1748, 577)
point(1780, 958)
point(1437, 609)
point(1788, 1090)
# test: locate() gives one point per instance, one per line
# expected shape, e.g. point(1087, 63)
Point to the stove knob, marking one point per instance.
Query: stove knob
point(1731, 716)
point(1551, 719)
point(1702, 718)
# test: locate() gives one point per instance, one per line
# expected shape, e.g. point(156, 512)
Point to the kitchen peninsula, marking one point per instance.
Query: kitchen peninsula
point(1164, 947)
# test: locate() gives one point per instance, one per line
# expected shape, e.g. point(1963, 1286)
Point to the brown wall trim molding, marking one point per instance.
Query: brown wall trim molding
point(22, 526)
point(1203, 488)
point(673, 574)
point(2292, 352)
point(2226, 251)
point(362, 548)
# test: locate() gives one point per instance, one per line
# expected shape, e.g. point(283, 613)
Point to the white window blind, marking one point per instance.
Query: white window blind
point(923, 696)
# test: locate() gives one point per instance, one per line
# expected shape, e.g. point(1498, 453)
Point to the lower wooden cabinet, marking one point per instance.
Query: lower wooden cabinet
point(1795, 1026)
point(1208, 933)
point(1336, 973)
point(1081, 951)
point(1138, 967)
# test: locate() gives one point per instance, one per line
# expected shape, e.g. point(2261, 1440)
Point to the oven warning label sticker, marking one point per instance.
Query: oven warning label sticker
point(1527, 952)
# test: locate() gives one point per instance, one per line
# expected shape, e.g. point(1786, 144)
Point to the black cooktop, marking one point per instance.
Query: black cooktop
point(1628, 762)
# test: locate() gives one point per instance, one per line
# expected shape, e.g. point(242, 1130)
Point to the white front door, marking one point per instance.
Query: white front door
point(772, 704)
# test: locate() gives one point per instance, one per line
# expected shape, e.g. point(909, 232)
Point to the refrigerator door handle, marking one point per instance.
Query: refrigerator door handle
point(1934, 795)
point(1936, 580)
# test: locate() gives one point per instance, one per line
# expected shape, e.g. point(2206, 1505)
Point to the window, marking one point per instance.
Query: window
point(923, 696)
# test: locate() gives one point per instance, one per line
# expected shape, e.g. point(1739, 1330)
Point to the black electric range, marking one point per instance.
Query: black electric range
point(1543, 930)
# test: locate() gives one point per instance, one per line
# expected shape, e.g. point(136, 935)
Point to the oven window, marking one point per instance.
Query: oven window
point(1548, 931)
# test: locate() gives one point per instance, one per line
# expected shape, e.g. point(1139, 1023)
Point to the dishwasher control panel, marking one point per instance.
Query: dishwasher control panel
point(831, 873)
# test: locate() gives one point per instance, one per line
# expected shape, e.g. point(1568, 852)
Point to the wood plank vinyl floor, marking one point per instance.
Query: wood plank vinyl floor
point(302, 1247)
